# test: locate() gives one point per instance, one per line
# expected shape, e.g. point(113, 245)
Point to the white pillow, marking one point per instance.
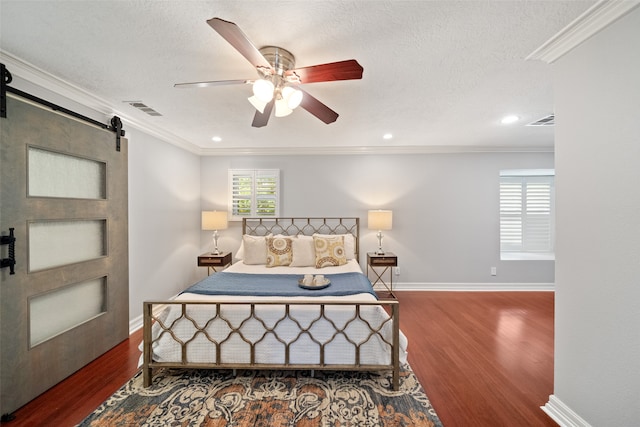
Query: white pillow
point(240, 253)
point(254, 249)
point(304, 253)
point(349, 243)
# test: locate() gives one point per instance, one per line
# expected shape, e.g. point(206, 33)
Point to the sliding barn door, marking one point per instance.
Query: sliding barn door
point(64, 194)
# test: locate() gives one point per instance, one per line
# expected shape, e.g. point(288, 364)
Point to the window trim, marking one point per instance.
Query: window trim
point(254, 197)
point(527, 216)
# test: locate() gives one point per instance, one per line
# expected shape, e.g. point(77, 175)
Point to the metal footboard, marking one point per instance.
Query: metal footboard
point(265, 330)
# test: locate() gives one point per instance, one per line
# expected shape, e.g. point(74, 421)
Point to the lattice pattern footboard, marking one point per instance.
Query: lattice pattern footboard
point(272, 335)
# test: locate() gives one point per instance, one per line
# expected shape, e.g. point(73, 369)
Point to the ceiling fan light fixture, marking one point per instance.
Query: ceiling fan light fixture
point(282, 109)
point(263, 90)
point(293, 97)
point(257, 103)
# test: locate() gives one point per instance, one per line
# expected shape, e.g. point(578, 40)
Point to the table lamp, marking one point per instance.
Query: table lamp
point(214, 220)
point(380, 220)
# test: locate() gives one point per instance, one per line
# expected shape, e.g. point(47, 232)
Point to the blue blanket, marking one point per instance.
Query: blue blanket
point(283, 285)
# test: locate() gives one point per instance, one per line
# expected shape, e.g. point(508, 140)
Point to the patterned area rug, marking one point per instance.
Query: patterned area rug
point(267, 398)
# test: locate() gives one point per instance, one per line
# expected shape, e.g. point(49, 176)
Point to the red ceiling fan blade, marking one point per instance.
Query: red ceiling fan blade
point(261, 119)
point(234, 35)
point(341, 70)
point(318, 109)
point(213, 83)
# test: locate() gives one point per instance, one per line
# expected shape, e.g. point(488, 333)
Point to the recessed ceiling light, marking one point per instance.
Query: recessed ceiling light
point(509, 119)
point(216, 139)
point(387, 136)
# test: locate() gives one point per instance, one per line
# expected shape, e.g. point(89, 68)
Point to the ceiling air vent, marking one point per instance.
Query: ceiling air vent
point(144, 108)
point(545, 121)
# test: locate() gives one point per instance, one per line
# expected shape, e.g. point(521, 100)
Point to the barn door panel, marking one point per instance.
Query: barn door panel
point(64, 195)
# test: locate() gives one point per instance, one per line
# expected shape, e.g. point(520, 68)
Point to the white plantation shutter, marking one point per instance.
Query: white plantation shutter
point(510, 215)
point(266, 192)
point(254, 193)
point(527, 213)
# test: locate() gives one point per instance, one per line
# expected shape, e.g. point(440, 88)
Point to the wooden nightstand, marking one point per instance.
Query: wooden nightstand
point(212, 261)
point(385, 262)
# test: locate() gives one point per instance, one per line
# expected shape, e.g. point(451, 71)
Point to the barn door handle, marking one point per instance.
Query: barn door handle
point(11, 261)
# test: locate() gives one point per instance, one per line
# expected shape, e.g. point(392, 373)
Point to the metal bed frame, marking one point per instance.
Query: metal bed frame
point(285, 226)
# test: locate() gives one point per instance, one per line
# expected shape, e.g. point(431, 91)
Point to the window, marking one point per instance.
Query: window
point(254, 193)
point(527, 224)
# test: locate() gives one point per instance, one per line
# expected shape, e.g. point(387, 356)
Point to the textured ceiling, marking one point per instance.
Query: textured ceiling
point(436, 73)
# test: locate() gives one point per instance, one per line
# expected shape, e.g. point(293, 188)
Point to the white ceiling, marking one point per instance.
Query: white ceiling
point(437, 74)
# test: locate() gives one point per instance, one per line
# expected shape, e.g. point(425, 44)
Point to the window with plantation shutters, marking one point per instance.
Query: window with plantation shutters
point(254, 193)
point(527, 214)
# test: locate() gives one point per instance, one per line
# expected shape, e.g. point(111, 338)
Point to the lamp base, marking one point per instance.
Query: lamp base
point(379, 236)
point(215, 243)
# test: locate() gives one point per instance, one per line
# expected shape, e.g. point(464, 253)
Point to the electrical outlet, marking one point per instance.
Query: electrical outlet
point(494, 271)
point(397, 270)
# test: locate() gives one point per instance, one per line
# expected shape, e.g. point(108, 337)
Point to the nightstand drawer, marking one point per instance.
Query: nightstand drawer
point(210, 260)
point(387, 260)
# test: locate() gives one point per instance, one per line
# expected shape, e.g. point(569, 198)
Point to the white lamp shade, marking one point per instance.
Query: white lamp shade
point(263, 90)
point(258, 105)
point(214, 220)
point(380, 220)
point(293, 97)
point(282, 109)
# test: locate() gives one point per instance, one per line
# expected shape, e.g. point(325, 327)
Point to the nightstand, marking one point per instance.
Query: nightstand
point(380, 264)
point(211, 261)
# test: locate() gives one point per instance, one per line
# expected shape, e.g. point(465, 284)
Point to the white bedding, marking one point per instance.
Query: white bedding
point(328, 330)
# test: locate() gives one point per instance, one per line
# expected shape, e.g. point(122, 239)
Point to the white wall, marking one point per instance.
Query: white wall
point(445, 210)
point(164, 219)
point(597, 332)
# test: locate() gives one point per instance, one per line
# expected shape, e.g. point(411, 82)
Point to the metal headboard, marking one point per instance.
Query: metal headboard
point(304, 226)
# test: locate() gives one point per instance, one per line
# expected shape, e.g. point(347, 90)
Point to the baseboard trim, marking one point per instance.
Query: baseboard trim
point(470, 287)
point(562, 414)
point(135, 324)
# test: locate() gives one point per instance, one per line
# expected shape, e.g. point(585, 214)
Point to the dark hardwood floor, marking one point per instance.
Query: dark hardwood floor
point(484, 359)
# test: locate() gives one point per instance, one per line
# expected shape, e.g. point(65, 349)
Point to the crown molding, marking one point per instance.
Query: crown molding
point(47, 81)
point(580, 29)
point(361, 150)
point(32, 74)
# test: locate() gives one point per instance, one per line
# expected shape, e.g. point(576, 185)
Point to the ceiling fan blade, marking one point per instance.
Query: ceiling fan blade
point(213, 83)
point(341, 70)
point(234, 35)
point(318, 109)
point(261, 119)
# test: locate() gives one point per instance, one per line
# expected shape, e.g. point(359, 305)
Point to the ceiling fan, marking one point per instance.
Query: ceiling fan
point(279, 80)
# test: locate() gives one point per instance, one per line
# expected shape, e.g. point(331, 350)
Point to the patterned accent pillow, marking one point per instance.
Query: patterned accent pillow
point(349, 243)
point(279, 251)
point(329, 251)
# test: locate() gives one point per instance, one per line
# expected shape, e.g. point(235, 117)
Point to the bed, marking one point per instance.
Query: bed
point(262, 314)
